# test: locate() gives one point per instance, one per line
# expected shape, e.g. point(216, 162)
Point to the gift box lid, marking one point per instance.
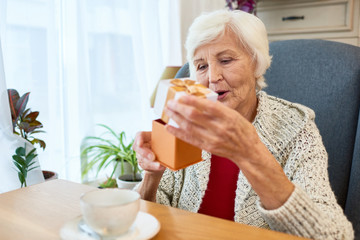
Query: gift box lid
point(174, 89)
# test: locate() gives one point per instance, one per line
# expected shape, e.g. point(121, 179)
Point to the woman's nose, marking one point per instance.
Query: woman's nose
point(214, 73)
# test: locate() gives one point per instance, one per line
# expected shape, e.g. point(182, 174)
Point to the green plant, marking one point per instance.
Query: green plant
point(101, 152)
point(24, 121)
point(109, 183)
point(25, 124)
point(23, 162)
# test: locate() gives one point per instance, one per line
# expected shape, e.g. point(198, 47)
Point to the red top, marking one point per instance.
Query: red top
point(219, 199)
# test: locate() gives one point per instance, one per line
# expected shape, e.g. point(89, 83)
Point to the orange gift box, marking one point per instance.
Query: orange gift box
point(170, 151)
point(175, 88)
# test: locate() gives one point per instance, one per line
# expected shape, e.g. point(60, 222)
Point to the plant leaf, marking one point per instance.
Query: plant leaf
point(21, 178)
point(32, 168)
point(40, 142)
point(18, 166)
point(23, 125)
point(101, 140)
point(20, 151)
point(29, 165)
point(91, 164)
point(23, 115)
point(109, 129)
point(24, 172)
point(37, 131)
point(121, 137)
point(109, 183)
point(103, 162)
point(29, 158)
point(21, 103)
point(35, 123)
point(13, 98)
point(30, 126)
point(32, 116)
point(31, 152)
point(19, 160)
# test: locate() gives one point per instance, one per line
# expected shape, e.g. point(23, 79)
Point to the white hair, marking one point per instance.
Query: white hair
point(249, 29)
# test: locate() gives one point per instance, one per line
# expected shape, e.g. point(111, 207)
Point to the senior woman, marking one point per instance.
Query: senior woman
point(264, 163)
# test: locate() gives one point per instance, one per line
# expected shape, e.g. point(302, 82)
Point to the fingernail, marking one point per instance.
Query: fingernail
point(150, 156)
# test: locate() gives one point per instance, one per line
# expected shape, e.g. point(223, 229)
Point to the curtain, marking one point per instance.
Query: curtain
point(190, 9)
point(9, 143)
point(87, 62)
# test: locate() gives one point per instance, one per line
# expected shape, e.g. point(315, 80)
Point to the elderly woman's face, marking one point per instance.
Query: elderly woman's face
point(226, 68)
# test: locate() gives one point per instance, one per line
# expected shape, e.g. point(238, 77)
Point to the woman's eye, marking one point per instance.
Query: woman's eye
point(225, 61)
point(201, 66)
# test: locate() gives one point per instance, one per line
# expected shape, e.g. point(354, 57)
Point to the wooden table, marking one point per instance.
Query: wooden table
point(39, 211)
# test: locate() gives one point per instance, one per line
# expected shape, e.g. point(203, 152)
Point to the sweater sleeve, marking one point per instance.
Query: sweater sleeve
point(169, 189)
point(312, 210)
point(165, 190)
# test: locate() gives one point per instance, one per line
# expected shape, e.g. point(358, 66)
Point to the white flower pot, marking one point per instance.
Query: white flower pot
point(127, 169)
point(125, 181)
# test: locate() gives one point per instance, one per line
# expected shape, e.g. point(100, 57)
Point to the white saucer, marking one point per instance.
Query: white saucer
point(145, 227)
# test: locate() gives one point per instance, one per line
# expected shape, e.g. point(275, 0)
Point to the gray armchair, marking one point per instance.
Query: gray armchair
point(324, 76)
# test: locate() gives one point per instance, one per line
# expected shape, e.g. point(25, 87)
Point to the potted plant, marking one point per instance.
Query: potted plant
point(24, 163)
point(100, 152)
point(25, 124)
point(130, 180)
point(24, 121)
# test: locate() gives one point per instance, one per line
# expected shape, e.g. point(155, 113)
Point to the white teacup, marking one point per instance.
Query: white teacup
point(110, 212)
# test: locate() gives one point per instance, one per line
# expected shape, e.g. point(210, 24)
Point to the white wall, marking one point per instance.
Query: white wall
point(189, 10)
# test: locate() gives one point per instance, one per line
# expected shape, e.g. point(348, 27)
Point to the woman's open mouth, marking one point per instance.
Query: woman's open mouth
point(221, 94)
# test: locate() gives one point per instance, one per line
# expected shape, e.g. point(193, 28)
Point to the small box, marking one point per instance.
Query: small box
point(170, 151)
point(174, 89)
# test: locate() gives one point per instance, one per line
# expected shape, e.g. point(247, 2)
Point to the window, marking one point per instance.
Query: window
point(87, 62)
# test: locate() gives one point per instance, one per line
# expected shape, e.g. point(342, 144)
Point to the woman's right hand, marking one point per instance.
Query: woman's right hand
point(153, 169)
point(144, 154)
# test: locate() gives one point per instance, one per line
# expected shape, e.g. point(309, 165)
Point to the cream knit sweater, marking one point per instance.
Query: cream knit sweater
point(289, 132)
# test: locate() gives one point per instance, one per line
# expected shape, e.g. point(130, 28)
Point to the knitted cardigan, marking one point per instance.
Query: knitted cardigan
point(288, 130)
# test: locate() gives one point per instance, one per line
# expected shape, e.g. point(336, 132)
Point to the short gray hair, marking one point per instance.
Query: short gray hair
point(249, 29)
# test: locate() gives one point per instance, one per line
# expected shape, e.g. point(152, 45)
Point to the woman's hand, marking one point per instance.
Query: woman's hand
point(144, 154)
point(225, 132)
point(213, 127)
point(153, 169)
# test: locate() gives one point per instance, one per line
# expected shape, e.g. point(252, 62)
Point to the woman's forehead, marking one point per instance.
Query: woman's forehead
point(225, 44)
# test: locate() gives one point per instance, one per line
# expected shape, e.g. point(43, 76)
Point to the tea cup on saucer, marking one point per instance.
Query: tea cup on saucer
point(110, 212)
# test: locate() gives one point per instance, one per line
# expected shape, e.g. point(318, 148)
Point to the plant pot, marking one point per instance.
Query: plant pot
point(128, 169)
point(125, 181)
point(49, 175)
